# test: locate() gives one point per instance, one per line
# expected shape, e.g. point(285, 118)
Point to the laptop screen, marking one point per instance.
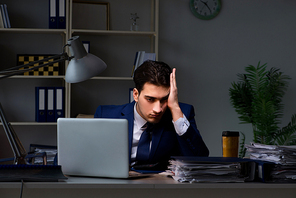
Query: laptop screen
point(93, 147)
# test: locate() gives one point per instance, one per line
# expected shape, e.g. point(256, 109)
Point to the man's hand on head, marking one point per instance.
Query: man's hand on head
point(173, 102)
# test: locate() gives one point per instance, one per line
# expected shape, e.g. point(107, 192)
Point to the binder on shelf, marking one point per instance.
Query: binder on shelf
point(50, 104)
point(131, 96)
point(59, 102)
point(1, 19)
point(141, 57)
point(40, 101)
point(52, 14)
point(3, 16)
point(6, 16)
point(149, 56)
point(61, 14)
point(137, 61)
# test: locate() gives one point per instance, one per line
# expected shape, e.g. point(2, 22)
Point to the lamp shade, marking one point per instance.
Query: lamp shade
point(83, 65)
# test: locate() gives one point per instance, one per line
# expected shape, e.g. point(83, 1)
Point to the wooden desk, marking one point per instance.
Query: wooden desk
point(153, 187)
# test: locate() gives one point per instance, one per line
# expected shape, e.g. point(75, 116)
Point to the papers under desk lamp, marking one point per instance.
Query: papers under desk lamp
point(82, 66)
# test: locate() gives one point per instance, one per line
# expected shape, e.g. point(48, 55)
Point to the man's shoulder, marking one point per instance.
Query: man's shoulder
point(110, 107)
point(185, 105)
point(112, 110)
point(187, 109)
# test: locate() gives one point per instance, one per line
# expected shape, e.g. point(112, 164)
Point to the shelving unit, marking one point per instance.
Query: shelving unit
point(34, 30)
point(103, 44)
point(116, 34)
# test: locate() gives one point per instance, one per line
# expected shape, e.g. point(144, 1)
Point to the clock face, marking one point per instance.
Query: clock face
point(205, 9)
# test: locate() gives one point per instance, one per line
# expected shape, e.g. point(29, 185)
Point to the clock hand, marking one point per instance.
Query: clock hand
point(209, 8)
point(202, 8)
point(206, 4)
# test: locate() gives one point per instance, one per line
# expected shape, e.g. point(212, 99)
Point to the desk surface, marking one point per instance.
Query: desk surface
point(155, 186)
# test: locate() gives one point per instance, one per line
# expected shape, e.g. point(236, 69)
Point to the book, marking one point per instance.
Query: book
point(140, 58)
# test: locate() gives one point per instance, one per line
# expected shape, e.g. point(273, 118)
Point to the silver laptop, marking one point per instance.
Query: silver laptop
point(94, 147)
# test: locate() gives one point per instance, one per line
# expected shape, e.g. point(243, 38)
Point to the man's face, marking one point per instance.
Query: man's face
point(152, 102)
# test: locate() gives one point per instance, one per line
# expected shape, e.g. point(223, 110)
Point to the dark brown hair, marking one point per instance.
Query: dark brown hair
point(154, 72)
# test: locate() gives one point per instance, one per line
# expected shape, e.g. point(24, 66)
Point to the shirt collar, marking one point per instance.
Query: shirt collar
point(138, 119)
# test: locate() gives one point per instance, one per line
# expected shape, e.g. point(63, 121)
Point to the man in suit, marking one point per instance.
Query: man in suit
point(159, 126)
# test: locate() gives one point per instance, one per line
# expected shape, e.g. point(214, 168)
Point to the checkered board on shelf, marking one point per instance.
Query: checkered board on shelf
point(54, 69)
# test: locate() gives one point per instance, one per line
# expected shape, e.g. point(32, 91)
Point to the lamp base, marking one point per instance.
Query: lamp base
point(40, 173)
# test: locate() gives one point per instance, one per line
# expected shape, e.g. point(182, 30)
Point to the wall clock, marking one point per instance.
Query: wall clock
point(205, 9)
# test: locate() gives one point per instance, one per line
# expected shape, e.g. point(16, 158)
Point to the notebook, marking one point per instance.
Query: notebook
point(93, 147)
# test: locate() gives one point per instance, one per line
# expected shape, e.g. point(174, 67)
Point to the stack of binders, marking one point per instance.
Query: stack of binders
point(57, 14)
point(50, 103)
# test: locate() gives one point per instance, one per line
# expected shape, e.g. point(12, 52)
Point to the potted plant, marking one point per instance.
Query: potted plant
point(257, 98)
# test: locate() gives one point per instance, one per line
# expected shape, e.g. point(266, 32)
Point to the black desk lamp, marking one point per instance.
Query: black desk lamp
point(82, 66)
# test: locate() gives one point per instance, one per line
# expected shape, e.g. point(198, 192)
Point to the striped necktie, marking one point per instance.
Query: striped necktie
point(143, 150)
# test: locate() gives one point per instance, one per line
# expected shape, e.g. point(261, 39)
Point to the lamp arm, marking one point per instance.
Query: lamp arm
point(14, 70)
point(93, 64)
point(16, 145)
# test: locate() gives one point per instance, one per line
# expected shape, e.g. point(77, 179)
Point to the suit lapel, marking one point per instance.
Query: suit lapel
point(128, 113)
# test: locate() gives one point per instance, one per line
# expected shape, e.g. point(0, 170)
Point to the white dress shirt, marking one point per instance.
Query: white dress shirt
point(181, 126)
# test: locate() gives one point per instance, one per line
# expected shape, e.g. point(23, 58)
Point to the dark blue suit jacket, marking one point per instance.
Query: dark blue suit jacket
point(165, 141)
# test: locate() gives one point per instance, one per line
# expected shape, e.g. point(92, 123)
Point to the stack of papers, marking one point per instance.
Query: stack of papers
point(284, 158)
point(206, 169)
point(284, 155)
point(51, 152)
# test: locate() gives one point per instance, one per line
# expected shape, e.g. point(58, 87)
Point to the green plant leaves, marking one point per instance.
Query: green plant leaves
point(257, 98)
point(287, 136)
point(242, 150)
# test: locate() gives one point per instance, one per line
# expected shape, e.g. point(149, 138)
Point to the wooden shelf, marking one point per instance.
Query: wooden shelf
point(114, 32)
point(63, 77)
point(34, 77)
point(111, 78)
point(33, 30)
point(32, 123)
